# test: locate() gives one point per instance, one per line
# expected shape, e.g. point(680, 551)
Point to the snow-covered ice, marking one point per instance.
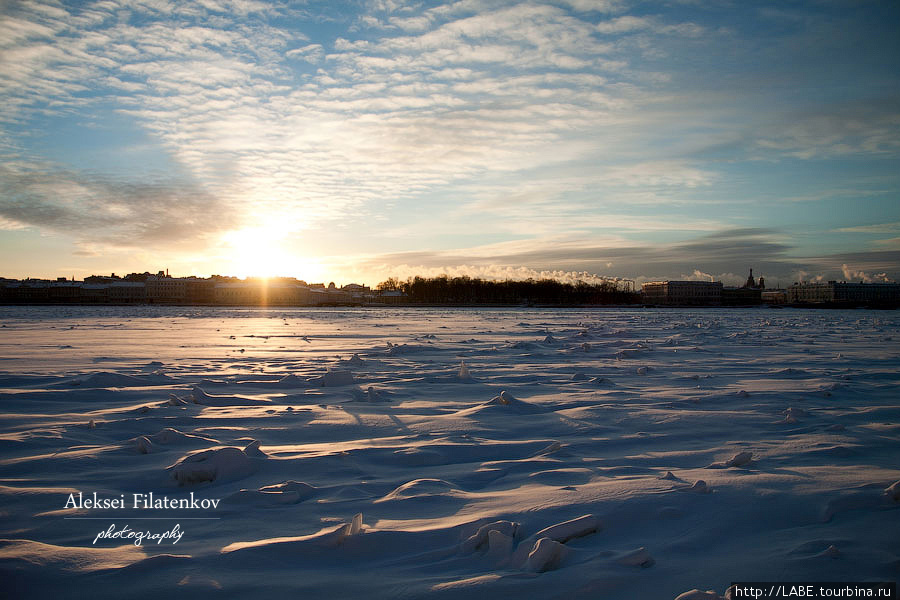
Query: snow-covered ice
point(449, 453)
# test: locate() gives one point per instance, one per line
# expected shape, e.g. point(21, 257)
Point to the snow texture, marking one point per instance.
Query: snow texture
point(450, 453)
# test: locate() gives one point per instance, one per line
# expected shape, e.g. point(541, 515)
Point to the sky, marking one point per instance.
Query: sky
point(356, 141)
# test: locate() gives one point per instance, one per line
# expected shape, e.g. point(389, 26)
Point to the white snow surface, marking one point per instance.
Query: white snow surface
point(450, 453)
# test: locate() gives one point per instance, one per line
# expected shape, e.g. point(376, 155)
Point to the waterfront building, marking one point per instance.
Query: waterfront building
point(163, 289)
point(126, 292)
point(682, 293)
point(844, 292)
point(773, 297)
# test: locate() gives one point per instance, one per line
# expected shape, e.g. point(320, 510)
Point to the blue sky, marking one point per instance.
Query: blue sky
point(353, 141)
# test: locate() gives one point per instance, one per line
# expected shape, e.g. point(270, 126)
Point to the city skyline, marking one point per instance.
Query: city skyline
point(754, 282)
point(359, 141)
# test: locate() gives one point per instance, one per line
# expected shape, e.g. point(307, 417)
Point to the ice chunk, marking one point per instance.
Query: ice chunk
point(739, 460)
point(334, 378)
point(546, 555)
point(213, 465)
point(173, 436)
point(334, 538)
point(346, 530)
point(143, 445)
point(175, 401)
point(500, 545)
point(290, 380)
point(569, 530)
point(356, 524)
point(463, 371)
point(287, 492)
point(700, 487)
point(505, 399)
point(480, 537)
point(401, 349)
point(792, 415)
point(893, 491)
point(553, 447)
point(252, 449)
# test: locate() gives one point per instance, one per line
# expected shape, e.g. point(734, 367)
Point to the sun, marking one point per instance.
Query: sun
point(260, 252)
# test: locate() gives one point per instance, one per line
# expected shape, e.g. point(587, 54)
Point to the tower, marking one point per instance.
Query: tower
point(751, 283)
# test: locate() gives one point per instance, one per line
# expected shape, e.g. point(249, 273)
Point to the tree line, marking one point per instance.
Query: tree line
point(468, 290)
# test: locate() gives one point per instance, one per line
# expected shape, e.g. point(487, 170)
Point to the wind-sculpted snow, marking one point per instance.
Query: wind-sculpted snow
point(216, 465)
point(453, 453)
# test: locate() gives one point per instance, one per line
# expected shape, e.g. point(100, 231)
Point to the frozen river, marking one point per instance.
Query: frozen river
point(672, 449)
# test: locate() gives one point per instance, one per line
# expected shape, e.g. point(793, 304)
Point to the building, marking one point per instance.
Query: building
point(29, 291)
point(95, 293)
point(284, 294)
point(752, 283)
point(259, 292)
point(126, 292)
point(750, 294)
point(166, 290)
point(682, 293)
point(849, 293)
point(319, 294)
point(811, 292)
point(200, 291)
point(101, 278)
point(242, 293)
point(63, 291)
point(742, 296)
point(774, 297)
point(358, 294)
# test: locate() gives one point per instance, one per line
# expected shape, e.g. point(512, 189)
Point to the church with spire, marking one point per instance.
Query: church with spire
point(753, 285)
point(749, 294)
